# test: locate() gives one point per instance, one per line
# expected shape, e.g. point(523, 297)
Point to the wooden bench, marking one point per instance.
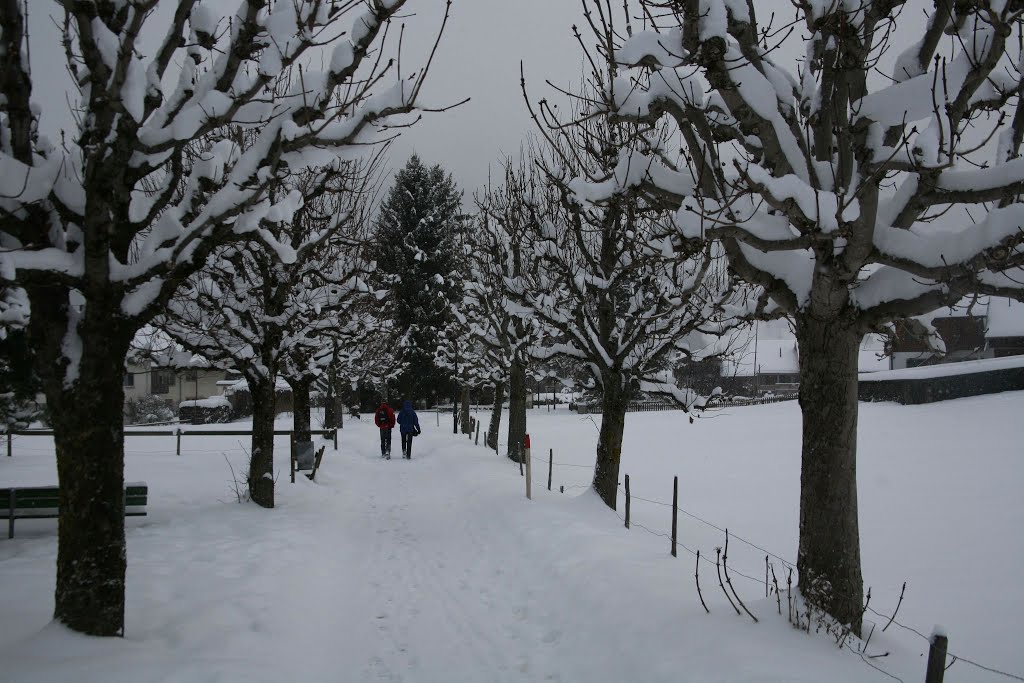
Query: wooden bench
point(41, 502)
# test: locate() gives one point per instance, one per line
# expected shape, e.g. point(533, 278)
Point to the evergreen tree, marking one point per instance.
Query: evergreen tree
point(417, 234)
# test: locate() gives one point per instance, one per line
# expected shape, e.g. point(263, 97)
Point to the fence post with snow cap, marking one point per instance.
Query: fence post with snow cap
point(529, 477)
point(936, 656)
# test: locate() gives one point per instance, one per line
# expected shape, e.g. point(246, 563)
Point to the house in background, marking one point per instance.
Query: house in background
point(767, 360)
point(174, 385)
point(158, 367)
point(991, 327)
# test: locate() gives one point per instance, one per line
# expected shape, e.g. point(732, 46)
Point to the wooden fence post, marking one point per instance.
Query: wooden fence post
point(529, 471)
point(627, 501)
point(551, 462)
point(179, 440)
point(675, 511)
point(335, 438)
point(936, 659)
point(477, 442)
point(291, 455)
point(8, 444)
point(437, 414)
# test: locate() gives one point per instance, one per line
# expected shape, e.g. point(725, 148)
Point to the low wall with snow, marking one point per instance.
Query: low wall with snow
point(928, 384)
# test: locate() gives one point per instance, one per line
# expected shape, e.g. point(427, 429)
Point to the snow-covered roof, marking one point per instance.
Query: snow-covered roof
point(966, 367)
point(1005, 318)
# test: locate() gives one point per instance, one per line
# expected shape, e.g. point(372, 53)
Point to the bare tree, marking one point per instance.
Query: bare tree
point(500, 245)
point(827, 185)
point(270, 317)
point(620, 290)
point(100, 229)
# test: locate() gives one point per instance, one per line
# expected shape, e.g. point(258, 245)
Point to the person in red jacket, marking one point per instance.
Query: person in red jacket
point(384, 418)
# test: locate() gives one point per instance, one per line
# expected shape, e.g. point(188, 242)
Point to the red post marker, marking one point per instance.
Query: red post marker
point(526, 444)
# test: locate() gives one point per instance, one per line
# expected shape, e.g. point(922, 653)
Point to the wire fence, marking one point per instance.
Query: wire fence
point(787, 564)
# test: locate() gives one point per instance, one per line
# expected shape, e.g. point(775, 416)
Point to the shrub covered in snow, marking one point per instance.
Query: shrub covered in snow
point(147, 410)
point(213, 410)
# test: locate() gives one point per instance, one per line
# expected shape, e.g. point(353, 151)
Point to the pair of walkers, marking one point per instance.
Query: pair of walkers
point(408, 424)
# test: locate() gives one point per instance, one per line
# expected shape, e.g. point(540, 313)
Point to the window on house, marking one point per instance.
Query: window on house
point(192, 375)
point(162, 381)
point(129, 379)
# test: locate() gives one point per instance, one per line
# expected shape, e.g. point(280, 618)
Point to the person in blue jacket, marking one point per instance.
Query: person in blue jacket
point(409, 425)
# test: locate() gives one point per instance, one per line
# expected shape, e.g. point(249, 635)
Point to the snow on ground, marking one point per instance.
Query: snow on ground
point(438, 569)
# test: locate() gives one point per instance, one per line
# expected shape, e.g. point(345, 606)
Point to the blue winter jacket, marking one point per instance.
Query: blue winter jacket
point(407, 419)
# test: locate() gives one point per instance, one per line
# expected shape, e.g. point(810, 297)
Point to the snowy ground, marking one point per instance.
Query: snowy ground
point(438, 569)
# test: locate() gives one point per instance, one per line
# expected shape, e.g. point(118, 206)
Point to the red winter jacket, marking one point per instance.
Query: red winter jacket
point(390, 422)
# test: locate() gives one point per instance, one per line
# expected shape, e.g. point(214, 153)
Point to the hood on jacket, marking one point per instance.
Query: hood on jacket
point(407, 405)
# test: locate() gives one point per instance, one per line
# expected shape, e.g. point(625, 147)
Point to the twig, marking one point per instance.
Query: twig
point(778, 596)
point(696, 576)
point(725, 567)
point(893, 617)
point(789, 594)
point(718, 553)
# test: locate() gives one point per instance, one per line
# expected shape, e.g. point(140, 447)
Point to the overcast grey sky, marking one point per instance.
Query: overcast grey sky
point(479, 58)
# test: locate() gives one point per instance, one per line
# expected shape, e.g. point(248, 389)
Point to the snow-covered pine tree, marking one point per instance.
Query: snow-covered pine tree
point(617, 288)
point(851, 197)
point(415, 247)
point(100, 225)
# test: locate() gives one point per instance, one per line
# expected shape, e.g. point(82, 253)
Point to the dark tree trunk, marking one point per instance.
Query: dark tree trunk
point(828, 560)
point(464, 400)
point(614, 400)
point(261, 465)
point(330, 414)
point(495, 426)
point(455, 415)
point(301, 420)
point(517, 412)
point(89, 437)
point(88, 424)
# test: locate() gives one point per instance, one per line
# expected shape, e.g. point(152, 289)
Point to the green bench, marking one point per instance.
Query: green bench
point(41, 502)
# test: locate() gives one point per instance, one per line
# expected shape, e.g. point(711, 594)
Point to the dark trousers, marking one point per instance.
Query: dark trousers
point(407, 444)
point(385, 441)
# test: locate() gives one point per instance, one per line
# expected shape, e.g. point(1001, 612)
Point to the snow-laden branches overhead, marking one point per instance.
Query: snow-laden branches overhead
point(832, 187)
point(252, 309)
point(178, 147)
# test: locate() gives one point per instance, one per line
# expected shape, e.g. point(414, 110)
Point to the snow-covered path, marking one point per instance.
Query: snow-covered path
point(434, 569)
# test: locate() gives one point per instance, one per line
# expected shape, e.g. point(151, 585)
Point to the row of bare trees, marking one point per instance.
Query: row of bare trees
point(699, 179)
point(211, 174)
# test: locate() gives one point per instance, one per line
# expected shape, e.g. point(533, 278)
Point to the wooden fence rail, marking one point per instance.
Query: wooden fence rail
point(178, 433)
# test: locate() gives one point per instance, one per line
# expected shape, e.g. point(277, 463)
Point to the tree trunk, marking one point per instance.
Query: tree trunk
point(465, 410)
point(517, 411)
point(614, 400)
point(455, 414)
point(828, 560)
point(89, 437)
point(301, 419)
point(261, 464)
point(330, 419)
point(495, 426)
